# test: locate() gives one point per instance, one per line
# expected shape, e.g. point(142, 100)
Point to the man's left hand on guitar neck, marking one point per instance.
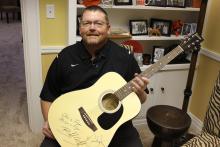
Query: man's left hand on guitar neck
point(139, 84)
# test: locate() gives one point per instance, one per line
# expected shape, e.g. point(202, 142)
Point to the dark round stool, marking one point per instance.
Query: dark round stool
point(167, 123)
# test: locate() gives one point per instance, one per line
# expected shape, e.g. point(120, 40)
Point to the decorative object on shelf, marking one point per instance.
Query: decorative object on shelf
point(107, 3)
point(189, 28)
point(196, 3)
point(139, 58)
point(87, 3)
point(138, 27)
point(186, 29)
point(188, 3)
point(177, 27)
point(146, 59)
point(163, 25)
point(137, 47)
point(153, 32)
point(158, 3)
point(137, 50)
point(176, 3)
point(193, 28)
point(158, 52)
point(118, 33)
point(123, 2)
point(79, 1)
point(140, 2)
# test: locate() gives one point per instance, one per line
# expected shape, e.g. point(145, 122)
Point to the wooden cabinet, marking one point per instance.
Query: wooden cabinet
point(166, 87)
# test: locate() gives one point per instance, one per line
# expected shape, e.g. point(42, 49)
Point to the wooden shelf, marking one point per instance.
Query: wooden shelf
point(148, 8)
point(146, 37)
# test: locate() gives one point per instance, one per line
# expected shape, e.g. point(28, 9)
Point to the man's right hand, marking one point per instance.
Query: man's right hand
point(46, 130)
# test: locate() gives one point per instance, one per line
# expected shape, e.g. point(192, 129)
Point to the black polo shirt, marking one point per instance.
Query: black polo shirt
point(73, 69)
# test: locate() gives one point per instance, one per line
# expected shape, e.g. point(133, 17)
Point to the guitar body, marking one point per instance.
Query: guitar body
point(78, 118)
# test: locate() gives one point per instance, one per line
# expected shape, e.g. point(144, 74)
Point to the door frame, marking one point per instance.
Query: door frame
point(32, 60)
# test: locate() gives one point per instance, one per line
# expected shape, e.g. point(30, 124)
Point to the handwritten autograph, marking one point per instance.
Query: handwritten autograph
point(72, 128)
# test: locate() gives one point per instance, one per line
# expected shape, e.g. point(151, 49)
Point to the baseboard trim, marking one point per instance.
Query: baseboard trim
point(210, 54)
point(137, 122)
point(196, 124)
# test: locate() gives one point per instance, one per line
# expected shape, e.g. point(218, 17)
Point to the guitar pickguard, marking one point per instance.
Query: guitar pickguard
point(108, 120)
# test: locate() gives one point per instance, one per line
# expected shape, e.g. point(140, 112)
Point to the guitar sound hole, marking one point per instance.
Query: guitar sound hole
point(110, 102)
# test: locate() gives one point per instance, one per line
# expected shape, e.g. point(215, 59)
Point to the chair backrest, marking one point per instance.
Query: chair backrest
point(212, 117)
point(9, 2)
point(128, 47)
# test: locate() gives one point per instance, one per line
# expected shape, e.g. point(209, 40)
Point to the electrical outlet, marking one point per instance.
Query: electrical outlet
point(50, 10)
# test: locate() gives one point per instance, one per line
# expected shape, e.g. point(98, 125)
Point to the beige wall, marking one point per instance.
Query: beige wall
point(46, 61)
point(54, 31)
point(208, 68)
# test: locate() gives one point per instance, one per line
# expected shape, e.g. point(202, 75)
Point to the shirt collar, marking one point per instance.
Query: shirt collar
point(101, 53)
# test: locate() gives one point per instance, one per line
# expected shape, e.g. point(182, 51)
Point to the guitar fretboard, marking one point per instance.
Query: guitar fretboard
point(125, 90)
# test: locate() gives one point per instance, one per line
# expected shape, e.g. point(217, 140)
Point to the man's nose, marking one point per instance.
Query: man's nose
point(92, 26)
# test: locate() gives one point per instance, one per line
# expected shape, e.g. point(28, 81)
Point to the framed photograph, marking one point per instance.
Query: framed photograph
point(123, 2)
point(146, 59)
point(159, 3)
point(193, 28)
point(78, 23)
point(163, 25)
point(176, 3)
point(158, 52)
point(186, 30)
point(138, 27)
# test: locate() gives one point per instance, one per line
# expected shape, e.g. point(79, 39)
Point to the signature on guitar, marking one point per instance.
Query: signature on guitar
point(71, 129)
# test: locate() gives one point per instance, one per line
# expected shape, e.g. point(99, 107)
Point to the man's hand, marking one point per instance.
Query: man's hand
point(46, 130)
point(139, 84)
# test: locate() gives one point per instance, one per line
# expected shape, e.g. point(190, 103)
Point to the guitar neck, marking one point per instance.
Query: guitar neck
point(127, 89)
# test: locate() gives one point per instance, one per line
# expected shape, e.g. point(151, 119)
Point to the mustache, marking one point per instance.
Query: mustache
point(92, 34)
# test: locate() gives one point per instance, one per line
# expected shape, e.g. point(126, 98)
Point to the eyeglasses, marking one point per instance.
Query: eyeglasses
point(97, 24)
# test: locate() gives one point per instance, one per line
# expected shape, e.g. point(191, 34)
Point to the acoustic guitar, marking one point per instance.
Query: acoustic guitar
point(91, 116)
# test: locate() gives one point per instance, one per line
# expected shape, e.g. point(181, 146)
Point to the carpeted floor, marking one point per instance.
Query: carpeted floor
point(14, 130)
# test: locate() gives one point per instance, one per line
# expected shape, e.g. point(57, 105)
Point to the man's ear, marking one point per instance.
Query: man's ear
point(109, 29)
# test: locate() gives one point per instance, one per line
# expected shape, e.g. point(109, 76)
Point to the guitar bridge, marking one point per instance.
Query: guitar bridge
point(87, 120)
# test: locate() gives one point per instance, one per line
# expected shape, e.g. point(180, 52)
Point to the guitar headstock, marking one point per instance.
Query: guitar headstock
point(192, 42)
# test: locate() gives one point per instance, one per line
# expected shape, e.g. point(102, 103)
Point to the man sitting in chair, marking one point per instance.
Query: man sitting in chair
point(80, 65)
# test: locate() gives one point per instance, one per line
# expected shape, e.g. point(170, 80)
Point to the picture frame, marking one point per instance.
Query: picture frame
point(158, 3)
point(176, 3)
point(157, 53)
point(163, 25)
point(146, 59)
point(186, 29)
point(138, 27)
point(193, 28)
point(123, 2)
